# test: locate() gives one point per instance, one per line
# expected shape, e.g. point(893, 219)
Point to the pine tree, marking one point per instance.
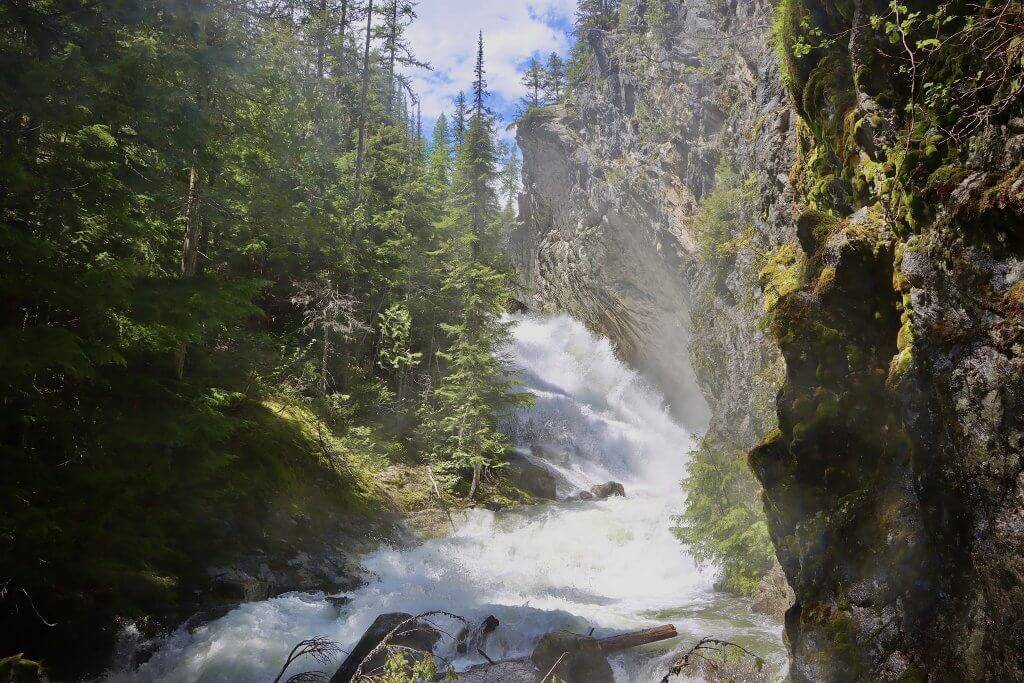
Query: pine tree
point(511, 177)
point(364, 94)
point(599, 14)
point(439, 171)
point(534, 80)
point(554, 78)
point(189, 175)
point(460, 118)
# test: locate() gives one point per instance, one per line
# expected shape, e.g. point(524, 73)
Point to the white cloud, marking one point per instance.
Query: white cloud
point(445, 36)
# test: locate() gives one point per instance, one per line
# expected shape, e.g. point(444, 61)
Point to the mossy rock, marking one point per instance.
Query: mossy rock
point(17, 669)
point(827, 98)
point(813, 228)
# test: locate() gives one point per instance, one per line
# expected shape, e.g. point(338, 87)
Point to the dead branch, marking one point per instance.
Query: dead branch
point(698, 650)
point(321, 649)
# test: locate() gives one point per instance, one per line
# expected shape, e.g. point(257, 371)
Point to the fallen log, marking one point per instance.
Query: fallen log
point(638, 638)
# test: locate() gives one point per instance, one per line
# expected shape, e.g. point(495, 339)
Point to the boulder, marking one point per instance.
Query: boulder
point(17, 669)
point(579, 659)
point(612, 488)
point(511, 671)
point(535, 479)
point(473, 639)
point(773, 595)
point(416, 636)
point(231, 584)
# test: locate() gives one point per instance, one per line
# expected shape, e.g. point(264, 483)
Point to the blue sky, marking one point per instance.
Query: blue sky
point(445, 35)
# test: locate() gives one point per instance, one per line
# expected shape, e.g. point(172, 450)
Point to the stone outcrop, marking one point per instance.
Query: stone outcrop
point(881, 248)
point(894, 486)
point(610, 218)
point(613, 180)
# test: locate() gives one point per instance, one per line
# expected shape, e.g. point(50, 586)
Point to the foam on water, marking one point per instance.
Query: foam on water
point(612, 565)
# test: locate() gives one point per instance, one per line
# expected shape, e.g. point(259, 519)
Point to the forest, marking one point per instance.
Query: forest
point(211, 208)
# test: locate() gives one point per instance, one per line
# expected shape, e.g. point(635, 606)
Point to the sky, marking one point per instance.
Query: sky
point(444, 35)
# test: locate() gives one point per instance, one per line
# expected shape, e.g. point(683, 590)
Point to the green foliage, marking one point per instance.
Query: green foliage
point(656, 17)
point(722, 224)
point(723, 522)
point(201, 313)
point(395, 331)
point(398, 669)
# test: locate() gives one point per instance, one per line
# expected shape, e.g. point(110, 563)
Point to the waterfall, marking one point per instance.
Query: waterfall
point(611, 565)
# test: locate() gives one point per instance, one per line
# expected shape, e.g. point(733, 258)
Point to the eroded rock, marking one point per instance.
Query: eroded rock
point(572, 657)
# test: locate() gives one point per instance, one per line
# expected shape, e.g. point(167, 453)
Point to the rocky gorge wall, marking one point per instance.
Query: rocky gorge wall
point(876, 242)
point(614, 177)
point(613, 227)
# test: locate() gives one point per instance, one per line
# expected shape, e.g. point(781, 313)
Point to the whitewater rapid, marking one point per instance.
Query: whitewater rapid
point(610, 565)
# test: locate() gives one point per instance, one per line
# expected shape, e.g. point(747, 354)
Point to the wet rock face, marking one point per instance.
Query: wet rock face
point(573, 658)
point(894, 485)
point(613, 179)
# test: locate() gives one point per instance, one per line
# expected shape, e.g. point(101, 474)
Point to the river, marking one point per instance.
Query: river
point(611, 565)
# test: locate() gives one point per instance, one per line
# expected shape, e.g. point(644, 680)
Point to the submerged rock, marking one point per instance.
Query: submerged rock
point(603, 491)
point(572, 657)
point(535, 479)
point(514, 671)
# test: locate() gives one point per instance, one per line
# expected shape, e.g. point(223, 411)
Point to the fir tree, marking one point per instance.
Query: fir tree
point(534, 80)
point(439, 173)
point(554, 81)
point(459, 120)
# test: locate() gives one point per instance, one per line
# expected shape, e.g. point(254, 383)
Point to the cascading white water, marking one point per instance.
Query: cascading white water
point(611, 565)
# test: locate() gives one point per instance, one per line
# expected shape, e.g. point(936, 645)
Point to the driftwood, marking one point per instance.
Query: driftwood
point(638, 638)
point(526, 670)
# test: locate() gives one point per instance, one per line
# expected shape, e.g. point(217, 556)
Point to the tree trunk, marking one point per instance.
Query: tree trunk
point(321, 43)
point(392, 49)
point(323, 359)
point(193, 224)
point(858, 45)
point(477, 471)
point(362, 103)
point(190, 244)
point(638, 638)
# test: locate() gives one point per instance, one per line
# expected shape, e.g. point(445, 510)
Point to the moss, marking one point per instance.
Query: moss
point(785, 28)
point(782, 275)
point(845, 641)
point(900, 367)
point(17, 669)
point(812, 229)
point(825, 282)
point(913, 675)
point(827, 98)
point(1015, 297)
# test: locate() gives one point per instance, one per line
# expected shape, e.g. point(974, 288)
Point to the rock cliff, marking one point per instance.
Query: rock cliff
point(614, 226)
point(894, 485)
point(874, 231)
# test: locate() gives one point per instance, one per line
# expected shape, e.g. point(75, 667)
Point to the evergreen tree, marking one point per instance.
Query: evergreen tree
point(460, 119)
point(439, 174)
point(534, 80)
point(478, 159)
point(599, 14)
point(510, 177)
point(554, 81)
point(207, 208)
